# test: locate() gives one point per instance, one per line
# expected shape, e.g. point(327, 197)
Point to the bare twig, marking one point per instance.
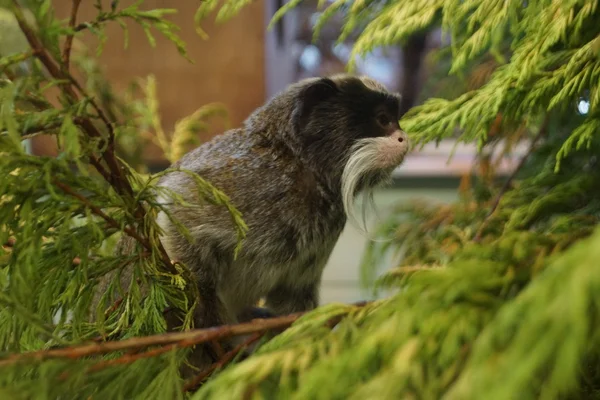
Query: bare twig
point(129, 358)
point(113, 308)
point(218, 349)
point(69, 39)
point(180, 339)
point(194, 382)
point(85, 25)
point(542, 132)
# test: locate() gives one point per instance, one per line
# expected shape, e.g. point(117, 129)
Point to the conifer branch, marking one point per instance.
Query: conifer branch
point(485, 309)
point(132, 357)
point(115, 174)
point(69, 39)
point(542, 132)
point(178, 339)
point(34, 130)
point(85, 25)
point(55, 71)
point(116, 177)
point(96, 210)
point(7, 62)
point(39, 49)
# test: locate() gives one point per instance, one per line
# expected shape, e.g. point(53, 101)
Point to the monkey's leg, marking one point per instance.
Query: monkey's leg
point(287, 298)
point(283, 299)
point(299, 292)
point(254, 312)
point(209, 312)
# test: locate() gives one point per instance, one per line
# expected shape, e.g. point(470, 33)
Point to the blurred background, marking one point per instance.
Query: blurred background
point(242, 64)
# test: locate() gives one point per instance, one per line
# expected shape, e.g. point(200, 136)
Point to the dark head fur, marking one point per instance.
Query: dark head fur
point(328, 117)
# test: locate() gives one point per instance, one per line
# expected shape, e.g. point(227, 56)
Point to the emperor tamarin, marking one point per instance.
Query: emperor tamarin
point(293, 170)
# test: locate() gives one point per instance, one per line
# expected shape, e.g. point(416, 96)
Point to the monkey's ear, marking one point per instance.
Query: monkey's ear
point(313, 94)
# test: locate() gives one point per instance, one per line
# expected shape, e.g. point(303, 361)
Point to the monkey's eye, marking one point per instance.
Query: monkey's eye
point(384, 120)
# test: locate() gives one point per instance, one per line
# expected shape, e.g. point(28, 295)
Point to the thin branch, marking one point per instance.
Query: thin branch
point(69, 39)
point(15, 59)
point(542, 132)
point(129, 358)
point(85, 25)
point(98, 211)
point(181, 339)
point(39, 49)
point(114, 307)
point(96, 107)
point(194, 382)
point(217, 348)
point(49, 128)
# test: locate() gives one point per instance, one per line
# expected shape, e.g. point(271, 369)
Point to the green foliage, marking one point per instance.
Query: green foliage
point(501, 305)
point(60, 217)
point(493, 296)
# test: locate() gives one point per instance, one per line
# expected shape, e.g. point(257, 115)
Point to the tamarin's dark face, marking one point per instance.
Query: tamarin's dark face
point(350, 125)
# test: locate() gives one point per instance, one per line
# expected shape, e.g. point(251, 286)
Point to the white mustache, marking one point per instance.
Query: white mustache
point(370, 164)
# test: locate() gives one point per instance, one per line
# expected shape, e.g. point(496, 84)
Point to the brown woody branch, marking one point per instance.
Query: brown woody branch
point(542, 132)
point(40, 51)
point(132, 357)
point(168, 342)
point(69, 39)
point(181, 339)
point(113, 308)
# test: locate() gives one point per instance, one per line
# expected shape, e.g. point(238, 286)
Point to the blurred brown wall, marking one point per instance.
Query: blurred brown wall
point(229, 66)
